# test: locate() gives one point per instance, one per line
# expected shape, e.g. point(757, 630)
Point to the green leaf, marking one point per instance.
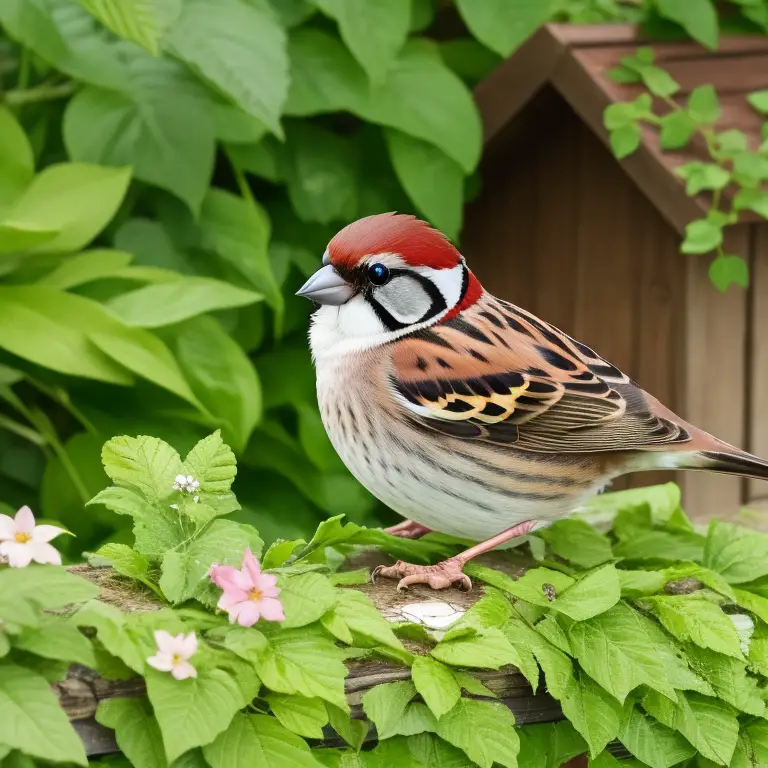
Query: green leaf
point(417, 719)
point(504, 26)
point(595, 714)
point(490, 649)
point(753, 200)
point(641, 583)
point(759, 100)
point(434, 182)
point(436, 684)
point(74, 199)
point(578, 542)
point(430, 750)
point(727, 270)
point(136, 730)
point(625, 140)
point(707, 577)
point(127, 562)
point(703, 105)
point(658, 81)
point(650, 741)
point(305, 598)
point(697, 17)
point(619, 649)
point(702, 236)
point(484, 730)
point(385, 705)
point(701, 176)
point(752, 748)
point(303, 716)
point(362, 620)
point(529, 587)
point(306, 662)
point(258, 740)
point(591, 595)
point(56, 638)
point(86, 267)
point(31, 719)
point(351, 730)
point(737, 553)
point(213, 464)
point(549, 745)
point(142, 21)
point(17, 163)
point(193, 712)
point(240, 49)
point(677, 129)
point(709, 725)
point(374, 31)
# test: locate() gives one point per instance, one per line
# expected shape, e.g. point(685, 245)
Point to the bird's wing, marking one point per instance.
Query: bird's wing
point(500, 374)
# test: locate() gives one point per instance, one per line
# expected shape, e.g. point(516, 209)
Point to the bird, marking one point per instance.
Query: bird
point(466, 414)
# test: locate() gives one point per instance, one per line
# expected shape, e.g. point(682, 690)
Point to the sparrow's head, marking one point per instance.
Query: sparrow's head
point(384, 276)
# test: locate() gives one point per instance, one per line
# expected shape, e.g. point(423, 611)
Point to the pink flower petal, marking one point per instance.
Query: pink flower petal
point(44, 553)
point(188, 645)
point(226, 577)
point(25, 520)
point(248, 614)
point(7, 528)
point(166, 642)
point(183, 670)
point(252, 567)
point(162, 661)
point(19, 555)
point(44, 533)
point(271, 609)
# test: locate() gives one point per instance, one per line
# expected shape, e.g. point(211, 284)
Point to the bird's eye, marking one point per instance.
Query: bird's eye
point(378, 274)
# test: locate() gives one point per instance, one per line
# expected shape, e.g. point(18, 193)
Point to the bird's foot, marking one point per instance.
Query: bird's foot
point(440, 576)
point(408, 529)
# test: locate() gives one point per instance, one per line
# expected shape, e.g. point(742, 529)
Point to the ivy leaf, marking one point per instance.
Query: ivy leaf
point(434, 182)
point(737, 553)
point(625, 140)
point(306, 662)
point(436, 684)
point(484, 730)
point(374, 31)
point(549, 745)
point(697, 17)
point(385, 705)
point(240, 49)
point(595, 714)
point(591, 595)
point(677, 129)
point(127, 562)
point(703, 105)
point(727, 270)
point(620, 651)
point(298, 714)
point(489, 649)
point(701, 176)
point(709, 725)
point(31, 719)
point(305, 598)
point(578, 542)
point(258, 740)
point(504, 26)
point(650, 741)
point(57, 638)
point(702, 236)
point(193, 712)
point(362, 621)
point(136, 730)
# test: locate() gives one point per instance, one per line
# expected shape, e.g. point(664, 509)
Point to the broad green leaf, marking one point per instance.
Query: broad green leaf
point(221, 375)
point(490, 649)
point(258, 740)
point(362, 620)
point(725, 271)
point(641, 583)
point(86, 267)
point(298, 714)
point(31, 719)
point(677, 129)
point(702, 236)
point(59, 639)
point(706, 576)
point(650, 741)
point(625, 140)
point(75, 199)
point(504, 26)
point(529, 587)
point(752, 199)
point(374, 31)
point(158, 121)
point(703, 105)
point(213, 464)
point(756, 604)
point(759, 100)
point(619, 650)
point(578, 542)
point(17, 163)
point(127, 562)
point(385, 704)
point(436, 684)
point(696, 619)
point(701, 176)
point(549, 745)
point(430, 750)
point(351, 730)
point(661, 545)
point(753, 746)
point(697, 17)
point(594, 713)
point(484, 730)
point(136, 730)
point(737, 553)
point(142, 21)
point(491, 611)
point(658, 81)
point(306, 662)
point(305, 597)
point(433, 181)
point(240, 49)
point(193, 712)
point(709, 725)
point(416, 719)
point(166, 303)
point(591, 595)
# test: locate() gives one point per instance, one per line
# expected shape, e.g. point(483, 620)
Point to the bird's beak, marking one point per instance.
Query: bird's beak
point(326, 286)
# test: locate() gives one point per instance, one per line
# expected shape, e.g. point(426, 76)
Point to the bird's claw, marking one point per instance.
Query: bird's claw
point(440, 576)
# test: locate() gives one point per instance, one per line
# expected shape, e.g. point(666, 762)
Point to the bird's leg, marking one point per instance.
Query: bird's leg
point(408, 529)
point(449, 572)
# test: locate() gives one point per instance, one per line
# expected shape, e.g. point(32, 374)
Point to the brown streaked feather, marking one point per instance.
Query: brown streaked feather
point(500, 374)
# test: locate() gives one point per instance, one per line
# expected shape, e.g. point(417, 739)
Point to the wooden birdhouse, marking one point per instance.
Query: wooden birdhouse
point(592, 244)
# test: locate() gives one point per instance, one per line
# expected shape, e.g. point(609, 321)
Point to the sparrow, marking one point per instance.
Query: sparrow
point(466, 414)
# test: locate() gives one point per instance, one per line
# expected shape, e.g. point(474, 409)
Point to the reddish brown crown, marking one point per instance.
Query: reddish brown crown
point(413, 239)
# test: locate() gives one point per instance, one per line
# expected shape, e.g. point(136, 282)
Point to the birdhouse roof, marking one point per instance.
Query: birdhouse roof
point(575, 60)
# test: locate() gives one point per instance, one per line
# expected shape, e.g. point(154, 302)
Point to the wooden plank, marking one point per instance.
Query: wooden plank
point(714, 381)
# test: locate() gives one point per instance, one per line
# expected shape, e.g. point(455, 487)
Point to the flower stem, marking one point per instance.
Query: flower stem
point(44, 92)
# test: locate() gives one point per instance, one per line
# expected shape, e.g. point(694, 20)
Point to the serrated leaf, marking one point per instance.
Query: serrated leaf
point(737, 553)
point(641, 583)
point(650, 741)
point(385, 704)
point(529, 587)
point(360, 617)
point(305, 598)
point(549, 745)
point(591, 595)
point(578, 542)
point(484, 730)
point(31, 719)
point(430, 750)
point(298, 714)
point(725, 271)
point(417, 718)
point(487, 649)
point(436, 684)
point(57, 638)
point(136, 730)
point(595, 714)
point(258, 740)
point(352, 731)
point(127, 562)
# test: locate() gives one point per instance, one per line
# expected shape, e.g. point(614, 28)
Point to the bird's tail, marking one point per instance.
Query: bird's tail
point(730, 462)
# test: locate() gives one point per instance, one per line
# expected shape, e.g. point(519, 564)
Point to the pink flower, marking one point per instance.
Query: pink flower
point(21, 541)
point(173, 654)
point(249, 594)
